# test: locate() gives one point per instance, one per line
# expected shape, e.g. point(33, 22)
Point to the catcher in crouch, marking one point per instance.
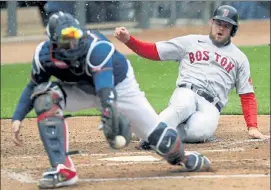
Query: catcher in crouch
point(91, 73)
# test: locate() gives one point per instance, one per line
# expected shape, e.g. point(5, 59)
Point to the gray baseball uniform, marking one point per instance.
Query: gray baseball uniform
point(215, 70)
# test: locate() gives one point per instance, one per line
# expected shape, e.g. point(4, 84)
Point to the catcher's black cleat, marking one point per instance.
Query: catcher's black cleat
point(196, 162)
point(143, 145)
point(60, 176)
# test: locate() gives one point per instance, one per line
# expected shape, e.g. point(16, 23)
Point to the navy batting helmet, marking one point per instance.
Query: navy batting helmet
point(228, 14)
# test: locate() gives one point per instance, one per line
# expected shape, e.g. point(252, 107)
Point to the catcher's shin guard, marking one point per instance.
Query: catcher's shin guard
point(52, 126)
point(167, 143)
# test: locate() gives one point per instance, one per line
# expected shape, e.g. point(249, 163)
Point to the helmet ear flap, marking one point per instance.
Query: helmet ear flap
point(234, 30)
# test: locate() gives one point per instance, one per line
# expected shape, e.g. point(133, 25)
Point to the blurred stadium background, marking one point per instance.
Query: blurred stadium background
point(29, 18)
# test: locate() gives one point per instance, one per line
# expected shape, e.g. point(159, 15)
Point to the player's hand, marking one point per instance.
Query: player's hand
point(256, 134)
point(16, 126)
point(122, 34)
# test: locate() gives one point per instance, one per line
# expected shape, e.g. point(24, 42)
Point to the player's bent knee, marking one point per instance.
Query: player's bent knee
point(43, 103)
point(167, 143)
point(47, 97)
point(200, 129)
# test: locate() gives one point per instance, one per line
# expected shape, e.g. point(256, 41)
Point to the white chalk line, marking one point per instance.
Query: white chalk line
point(83, 154)
point(22, 177)
point(224, 150)
point(129, 153)
point(161, 162)
point(82, 141)
point(26, 178)
point(137, 141)
point(123, 153)
point(177, 177)
point(123, 163)
point(104, 164)
point(242, 141)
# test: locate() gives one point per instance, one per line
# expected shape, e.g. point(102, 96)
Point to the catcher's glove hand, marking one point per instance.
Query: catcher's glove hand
point(115, 124)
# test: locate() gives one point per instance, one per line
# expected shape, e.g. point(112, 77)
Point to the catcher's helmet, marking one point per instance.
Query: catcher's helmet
point(67, 37)
point(228, 14)
point(59, 21)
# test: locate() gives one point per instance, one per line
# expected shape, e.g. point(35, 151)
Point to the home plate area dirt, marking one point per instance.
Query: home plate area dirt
point(237, 161)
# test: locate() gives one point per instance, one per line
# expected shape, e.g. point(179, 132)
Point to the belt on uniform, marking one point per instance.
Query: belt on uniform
point(209, 98)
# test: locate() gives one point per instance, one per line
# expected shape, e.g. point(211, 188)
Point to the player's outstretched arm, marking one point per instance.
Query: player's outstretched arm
point(249, 107)
point(245, 90)
point(144, 49)
point(24, 106)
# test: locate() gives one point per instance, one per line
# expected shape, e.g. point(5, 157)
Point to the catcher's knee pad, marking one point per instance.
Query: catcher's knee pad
point(45, 96)
point(167, 143)
point(52, 127)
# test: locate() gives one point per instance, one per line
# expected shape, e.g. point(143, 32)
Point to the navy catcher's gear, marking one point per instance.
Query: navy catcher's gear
point(107, 96)
point(228, 14)
point(52, 127)
point(144, 145)
point(69, 41)
point(167, 143)
point(72, 56)
point(57, 22)
point(196, 162)
point(104, 49)
point(114, 123)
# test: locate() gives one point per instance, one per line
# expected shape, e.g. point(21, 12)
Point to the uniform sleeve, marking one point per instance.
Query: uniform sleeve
point(25, 104)
point(38, 72)
point(244, 82)
point(144, 49)
point(99, 60)
point(38, 75)
point(249, 107)
point(173, 49)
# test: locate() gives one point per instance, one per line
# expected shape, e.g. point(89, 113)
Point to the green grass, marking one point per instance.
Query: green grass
point(157, 79)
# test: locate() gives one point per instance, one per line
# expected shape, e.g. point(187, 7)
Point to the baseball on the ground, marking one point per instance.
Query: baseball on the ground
point(120, 142)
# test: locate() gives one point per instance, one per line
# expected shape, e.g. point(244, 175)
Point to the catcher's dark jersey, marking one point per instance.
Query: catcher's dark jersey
point(100, 54)
point(45, 65)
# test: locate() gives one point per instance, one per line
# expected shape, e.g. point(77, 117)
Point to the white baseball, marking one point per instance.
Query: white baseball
point(120, 142)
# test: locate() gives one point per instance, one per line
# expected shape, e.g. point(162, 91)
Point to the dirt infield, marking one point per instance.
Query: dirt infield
point(237, 161)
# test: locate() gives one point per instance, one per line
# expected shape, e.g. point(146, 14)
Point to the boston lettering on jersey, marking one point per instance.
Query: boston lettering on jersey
point(204, 55)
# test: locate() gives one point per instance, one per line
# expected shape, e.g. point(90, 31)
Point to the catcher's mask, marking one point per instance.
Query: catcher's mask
point(228, 14)
point(67, 38)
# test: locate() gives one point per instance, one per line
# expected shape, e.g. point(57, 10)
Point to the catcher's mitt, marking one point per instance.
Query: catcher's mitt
point(115, 124)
